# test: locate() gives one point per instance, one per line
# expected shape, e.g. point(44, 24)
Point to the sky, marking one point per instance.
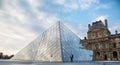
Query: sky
point(21, 21)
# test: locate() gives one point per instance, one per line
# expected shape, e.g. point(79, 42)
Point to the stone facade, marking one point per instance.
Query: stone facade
point(105, 46)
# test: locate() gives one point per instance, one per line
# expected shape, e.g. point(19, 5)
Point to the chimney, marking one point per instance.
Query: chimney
point(93, 23)
point(100, 21)
point(89, 26)
point(116, 32)
point(106, 24)
point(85, 38)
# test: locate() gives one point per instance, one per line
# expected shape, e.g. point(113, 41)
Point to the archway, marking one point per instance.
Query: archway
point(98, 53)
point(115, 54)
point(105, 57)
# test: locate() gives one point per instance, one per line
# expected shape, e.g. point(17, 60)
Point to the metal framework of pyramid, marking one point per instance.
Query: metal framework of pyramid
point(58, 43)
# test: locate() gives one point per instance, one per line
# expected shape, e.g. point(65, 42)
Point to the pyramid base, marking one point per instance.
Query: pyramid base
point(9, 62)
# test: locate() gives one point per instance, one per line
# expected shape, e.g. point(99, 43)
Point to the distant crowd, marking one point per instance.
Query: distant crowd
point(5, 56)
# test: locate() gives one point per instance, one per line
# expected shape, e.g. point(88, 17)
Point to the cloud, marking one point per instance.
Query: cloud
point(67, 4)
point(79, 29)
point(85, 4)
point(76, 4)
point(13, 35)
point(103, 6)
point(102, 18)
point(114, 27)
point(20, 24)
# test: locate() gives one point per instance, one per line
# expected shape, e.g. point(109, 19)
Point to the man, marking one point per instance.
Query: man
point(71, 57)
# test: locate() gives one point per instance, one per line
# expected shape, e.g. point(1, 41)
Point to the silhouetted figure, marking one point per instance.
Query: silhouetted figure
point(11, 56)
point(71, 57)
point(1, 55)
point(5, 56)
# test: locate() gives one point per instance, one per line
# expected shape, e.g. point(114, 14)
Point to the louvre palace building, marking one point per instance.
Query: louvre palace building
point(105, 46)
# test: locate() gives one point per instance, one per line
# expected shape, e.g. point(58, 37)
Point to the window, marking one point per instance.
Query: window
point(100, 35)
point(103, 34)
point(119, 44)
point(96, 35)
point(96, 46)
point(114, 45)
point(103, 45)
point(111, 46)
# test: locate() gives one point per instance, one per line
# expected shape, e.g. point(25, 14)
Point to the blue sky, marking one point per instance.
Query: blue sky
point(21, 21)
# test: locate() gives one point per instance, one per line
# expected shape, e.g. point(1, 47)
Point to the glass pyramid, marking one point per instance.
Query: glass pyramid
point(58, 43)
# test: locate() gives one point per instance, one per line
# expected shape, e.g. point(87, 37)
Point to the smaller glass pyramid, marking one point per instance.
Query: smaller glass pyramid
point(58, 43)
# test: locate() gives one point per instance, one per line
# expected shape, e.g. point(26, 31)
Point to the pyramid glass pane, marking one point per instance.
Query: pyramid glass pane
point(50, 47)
point(71, 46)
